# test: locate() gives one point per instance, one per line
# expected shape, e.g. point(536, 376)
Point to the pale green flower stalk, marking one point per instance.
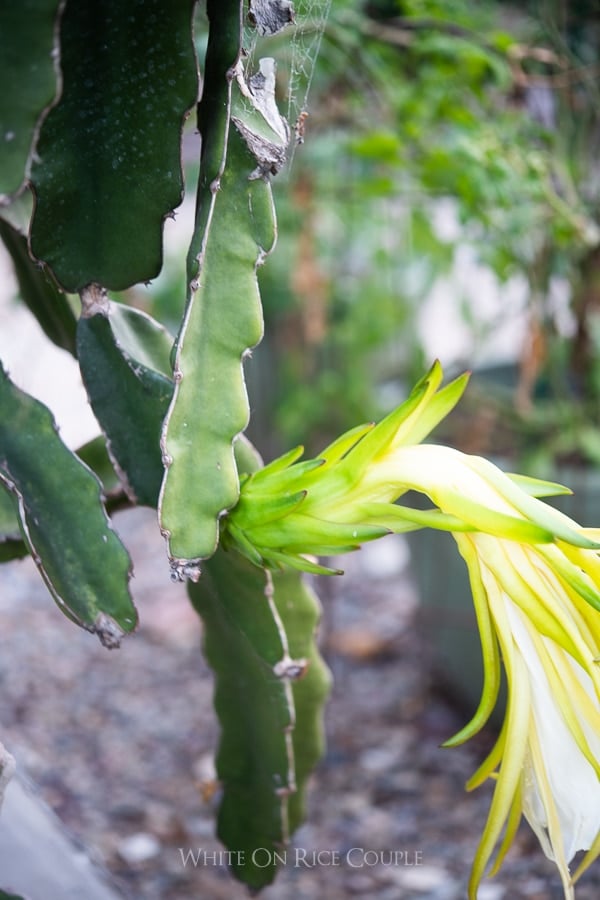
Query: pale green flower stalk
point(535, 577)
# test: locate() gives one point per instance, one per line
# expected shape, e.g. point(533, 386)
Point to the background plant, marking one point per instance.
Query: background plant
point(493, 110)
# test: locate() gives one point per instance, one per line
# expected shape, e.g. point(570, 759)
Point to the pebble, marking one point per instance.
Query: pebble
point(420, 878)
point(387, 757)
point(491, 892)
point(360, 884)
point(138, 848)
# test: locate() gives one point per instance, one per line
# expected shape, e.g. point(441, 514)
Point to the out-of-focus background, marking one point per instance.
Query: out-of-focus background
point(444, 204)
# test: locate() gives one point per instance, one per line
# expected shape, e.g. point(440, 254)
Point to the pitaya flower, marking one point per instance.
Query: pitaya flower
point(535, 578)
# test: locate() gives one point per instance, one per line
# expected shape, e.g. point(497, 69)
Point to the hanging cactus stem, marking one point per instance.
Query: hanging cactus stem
point(235, 230)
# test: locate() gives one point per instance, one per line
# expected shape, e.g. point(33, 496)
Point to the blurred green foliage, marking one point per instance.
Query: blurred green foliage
point(413, 101)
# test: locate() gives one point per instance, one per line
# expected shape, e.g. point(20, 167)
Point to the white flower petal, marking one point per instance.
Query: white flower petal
point(444, 473)
point(573, 782)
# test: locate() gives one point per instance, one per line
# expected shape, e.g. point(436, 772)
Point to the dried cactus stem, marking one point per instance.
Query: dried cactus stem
point(94, 301)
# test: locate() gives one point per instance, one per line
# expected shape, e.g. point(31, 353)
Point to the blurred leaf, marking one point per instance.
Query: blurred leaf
point(49, 305)
point(588, 439)
point(9, 522)
point(502, 40)
point(378, 146)
point(11, 544)
point(12, 548)
point(95, 456)
point(19, 211)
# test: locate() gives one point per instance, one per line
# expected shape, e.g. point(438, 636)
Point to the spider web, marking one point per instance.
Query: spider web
point(311, 19)
point(296, 51)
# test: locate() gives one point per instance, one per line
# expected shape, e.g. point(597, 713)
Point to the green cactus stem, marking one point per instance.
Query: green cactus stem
point(271, 686)
point(244, 139)
point(300, 611)
point(124, 360)
point(109, 158)
point(244, 643)
point(269, 704)
point(58, 503)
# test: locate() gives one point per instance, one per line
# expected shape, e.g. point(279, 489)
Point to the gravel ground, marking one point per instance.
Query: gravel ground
point(121, 745)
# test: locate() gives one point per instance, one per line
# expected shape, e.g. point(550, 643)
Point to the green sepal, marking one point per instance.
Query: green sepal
point(405, 518)
point(338, 448)
point(278, 559)
point(265, 557)
point(425, 408)
point(489, 648)
point(574, 578)
point(438, 407)
point(293, 478)
point(545, 516)
point(502, 524)
point(234, 536)
point(306, 534)
point(333, 549)
point(280, 463)
point(62, 518)
point(376, 440)
point(253, 511)
point(537, 487)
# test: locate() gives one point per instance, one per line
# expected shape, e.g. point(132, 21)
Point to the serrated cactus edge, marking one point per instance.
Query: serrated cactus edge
point(62, 518)
point(235, 230)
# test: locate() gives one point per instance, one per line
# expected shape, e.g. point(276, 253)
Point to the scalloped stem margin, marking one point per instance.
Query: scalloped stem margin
point(235, 229)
